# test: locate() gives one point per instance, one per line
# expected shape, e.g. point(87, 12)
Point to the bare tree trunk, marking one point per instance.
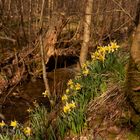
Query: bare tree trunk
point(133, 76)
point(9, 9)
point(30, 19)
point(22, 19)
point(50, 8)
point(36, 15)
point(42, 53)
point(86, 36)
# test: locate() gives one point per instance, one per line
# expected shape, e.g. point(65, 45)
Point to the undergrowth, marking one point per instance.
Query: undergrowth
point(106, 66)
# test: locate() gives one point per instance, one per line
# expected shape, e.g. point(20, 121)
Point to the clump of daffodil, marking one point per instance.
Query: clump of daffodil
point(2, 124)
point(73, 86)
point(27, 131)
point(99, 54)
point(101, 51)
point(68, 107)
point(14, 124)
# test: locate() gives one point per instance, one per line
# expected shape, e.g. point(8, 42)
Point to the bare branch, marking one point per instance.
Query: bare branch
point(123, 10)
point(8, 38)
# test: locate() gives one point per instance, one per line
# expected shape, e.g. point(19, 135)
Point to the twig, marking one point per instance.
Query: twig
point(8, 38)
point(10, 92)
point(42, 52)
point(123, 10)
point(74, 36)
point(122, 25)
point(14, 85)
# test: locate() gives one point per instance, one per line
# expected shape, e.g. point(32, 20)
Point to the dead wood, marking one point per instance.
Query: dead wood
point(19, 64)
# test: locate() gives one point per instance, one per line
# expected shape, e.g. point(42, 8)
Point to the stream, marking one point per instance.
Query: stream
point(15, 105)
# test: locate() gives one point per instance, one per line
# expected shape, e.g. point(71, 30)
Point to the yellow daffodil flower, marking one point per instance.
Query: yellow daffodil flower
point(14, 124)
point(64, 97)
point(29, 110)
point(71, 86)
point(99, 54)
point(77, 86)
point(109, 49)
point(2, 124)
point(45, 94)
point(66, 108)
point(35, 103)
point(101, 58)
point(72, 105)
point(70, 82)
point(27, 131)
point(101, 50)
point(96, 55)
point(84, 65)
point(114, 45)
point(67, 91)
point(85, 72)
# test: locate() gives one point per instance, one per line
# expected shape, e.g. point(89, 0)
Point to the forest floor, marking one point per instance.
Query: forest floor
point(108, 116)
point(106, 119)
point(105, 116)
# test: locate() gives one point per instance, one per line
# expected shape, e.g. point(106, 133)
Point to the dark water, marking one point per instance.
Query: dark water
point(18, 102)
